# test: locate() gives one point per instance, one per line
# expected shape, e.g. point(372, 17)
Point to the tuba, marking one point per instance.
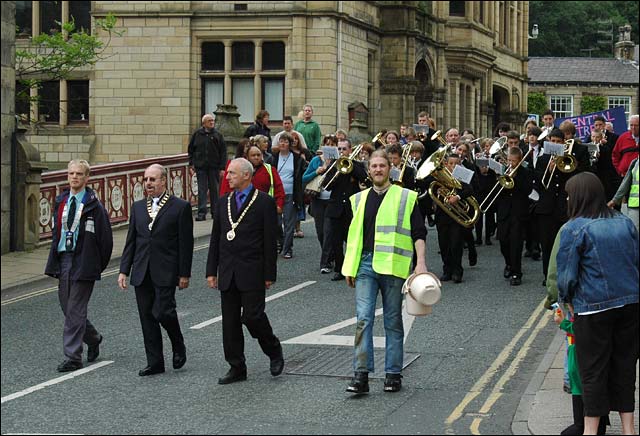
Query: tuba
point(378, 140)
point(466, 211)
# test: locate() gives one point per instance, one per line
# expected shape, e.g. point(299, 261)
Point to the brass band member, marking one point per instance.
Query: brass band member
point(394, 153)
point(338, 209)
point(552, 205)
point(450, 233)
point(513, 213)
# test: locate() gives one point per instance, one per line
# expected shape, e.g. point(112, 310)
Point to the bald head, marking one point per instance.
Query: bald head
point(155, 180)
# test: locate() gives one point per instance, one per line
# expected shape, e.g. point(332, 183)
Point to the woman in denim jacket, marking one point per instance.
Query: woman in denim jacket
point(598, 277)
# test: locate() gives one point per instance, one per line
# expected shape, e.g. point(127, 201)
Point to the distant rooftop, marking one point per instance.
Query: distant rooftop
point(582, 70)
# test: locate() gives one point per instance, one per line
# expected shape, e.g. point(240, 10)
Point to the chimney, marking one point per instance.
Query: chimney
point(624, 47)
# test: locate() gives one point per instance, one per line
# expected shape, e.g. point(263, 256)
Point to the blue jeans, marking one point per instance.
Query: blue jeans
point(367, 284)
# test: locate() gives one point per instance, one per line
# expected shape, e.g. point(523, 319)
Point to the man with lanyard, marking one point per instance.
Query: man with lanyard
point(80, 251)
point(385, 228)
point(242, 263)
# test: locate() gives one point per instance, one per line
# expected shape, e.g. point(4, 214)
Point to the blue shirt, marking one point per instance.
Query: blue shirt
point(246, 193)
point(62, 243)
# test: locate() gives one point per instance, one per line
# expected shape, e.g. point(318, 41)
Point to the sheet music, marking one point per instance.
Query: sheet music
point(329, 152)
point(496, 166)
point(482, 162)
point(463, 174)
point(553, 149)
point(421, 128)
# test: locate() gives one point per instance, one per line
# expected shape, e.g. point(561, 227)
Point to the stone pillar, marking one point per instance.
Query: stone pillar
point(227, 72)
point(29, 170)
point(257, 80)
point(8, 116)
point(228, 123)
point(359, 132)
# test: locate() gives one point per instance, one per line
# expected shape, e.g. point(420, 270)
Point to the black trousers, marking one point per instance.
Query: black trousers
point(489, 220)
point(245, 307)
point(451, 242)
point(323, 230)
point(339, 233)
point(208, 179)
point(510, 235)
point(532, 234)
point(549, 226)
point(607, 352)
point(157, 307)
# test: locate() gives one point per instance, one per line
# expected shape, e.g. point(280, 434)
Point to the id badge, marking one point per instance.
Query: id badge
point(69, 241)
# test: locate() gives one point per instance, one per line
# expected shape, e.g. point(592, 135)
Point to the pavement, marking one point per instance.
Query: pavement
point(544, 407)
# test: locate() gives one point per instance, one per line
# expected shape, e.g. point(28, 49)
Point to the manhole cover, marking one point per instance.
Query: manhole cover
point(335, 362)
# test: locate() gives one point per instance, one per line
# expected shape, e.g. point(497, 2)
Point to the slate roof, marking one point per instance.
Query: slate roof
point(582, 70)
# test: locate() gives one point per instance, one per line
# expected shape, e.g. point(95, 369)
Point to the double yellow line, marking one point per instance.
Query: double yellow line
point(45, 291)
point(496, 392)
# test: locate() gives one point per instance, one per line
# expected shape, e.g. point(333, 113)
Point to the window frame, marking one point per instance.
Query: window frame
point(627, 105)
point(561, 113)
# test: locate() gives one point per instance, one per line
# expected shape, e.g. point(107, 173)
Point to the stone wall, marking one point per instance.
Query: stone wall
point(58, 148)
point(8, 118)
point(140, 94)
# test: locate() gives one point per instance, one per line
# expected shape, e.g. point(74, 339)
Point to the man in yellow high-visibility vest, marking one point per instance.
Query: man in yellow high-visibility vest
point(386, 226)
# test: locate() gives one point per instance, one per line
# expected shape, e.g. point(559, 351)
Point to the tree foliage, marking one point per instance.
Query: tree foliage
point(536, 103)
point(55, 56)
point(570, 28)
point(593, 103)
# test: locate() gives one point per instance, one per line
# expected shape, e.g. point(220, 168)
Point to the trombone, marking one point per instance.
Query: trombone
point(344, 165)
point(565, 163)
point(506, 181)
point(406, 150)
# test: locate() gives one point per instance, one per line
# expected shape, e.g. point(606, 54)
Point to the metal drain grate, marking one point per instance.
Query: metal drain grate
point(335, 362)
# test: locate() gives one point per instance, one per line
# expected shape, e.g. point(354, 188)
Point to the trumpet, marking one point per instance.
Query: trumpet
point(344, 165)
point(466, 211)
point(565, 163)
point(505, 181)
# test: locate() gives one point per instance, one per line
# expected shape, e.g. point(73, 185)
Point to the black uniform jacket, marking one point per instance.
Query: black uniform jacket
point(250, 258)
point(166, 250)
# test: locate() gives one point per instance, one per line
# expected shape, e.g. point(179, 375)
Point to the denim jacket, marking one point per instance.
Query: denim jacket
point(598, 263)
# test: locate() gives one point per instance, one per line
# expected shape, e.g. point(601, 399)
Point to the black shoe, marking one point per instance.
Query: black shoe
point(456, 278)
point(535, 255)
point(527, 253)
point(359, 383)
point(149, 370)
point(277, 365)
point(392, 382)
point(478, 242)
point(473, 256)
point(515, 281)
point(488, 242)
point(337, 277)
point(179, 358)
point(93, 351)
point(69, 365)
point(507, 272)
point(573, 429)
point(234, 375)
point(445, 277)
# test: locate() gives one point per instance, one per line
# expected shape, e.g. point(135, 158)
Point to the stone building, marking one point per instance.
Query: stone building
point(565, 81)
point(463, 62)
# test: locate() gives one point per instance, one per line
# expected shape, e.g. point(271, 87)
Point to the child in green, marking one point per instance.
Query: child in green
point(577, 428)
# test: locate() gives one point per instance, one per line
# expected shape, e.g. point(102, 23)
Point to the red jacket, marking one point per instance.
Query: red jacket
point(262, 182)
point(622, 159)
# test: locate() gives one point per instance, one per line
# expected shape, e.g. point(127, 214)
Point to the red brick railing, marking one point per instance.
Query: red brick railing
point(118, 185)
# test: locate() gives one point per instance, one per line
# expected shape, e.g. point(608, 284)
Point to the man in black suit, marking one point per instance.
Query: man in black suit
point(159, 247)
point(513, 213)
point(242, 264)
point(551, 209)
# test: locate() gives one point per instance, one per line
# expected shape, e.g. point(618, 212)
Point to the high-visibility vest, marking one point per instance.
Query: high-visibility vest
point(633, 192)
point(268, 168)
point(393, 245)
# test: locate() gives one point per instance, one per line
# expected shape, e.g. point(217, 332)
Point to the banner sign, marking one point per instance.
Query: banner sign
point(584, 123)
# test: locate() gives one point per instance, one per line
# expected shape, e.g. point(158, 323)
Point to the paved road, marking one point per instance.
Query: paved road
point(477, 352)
